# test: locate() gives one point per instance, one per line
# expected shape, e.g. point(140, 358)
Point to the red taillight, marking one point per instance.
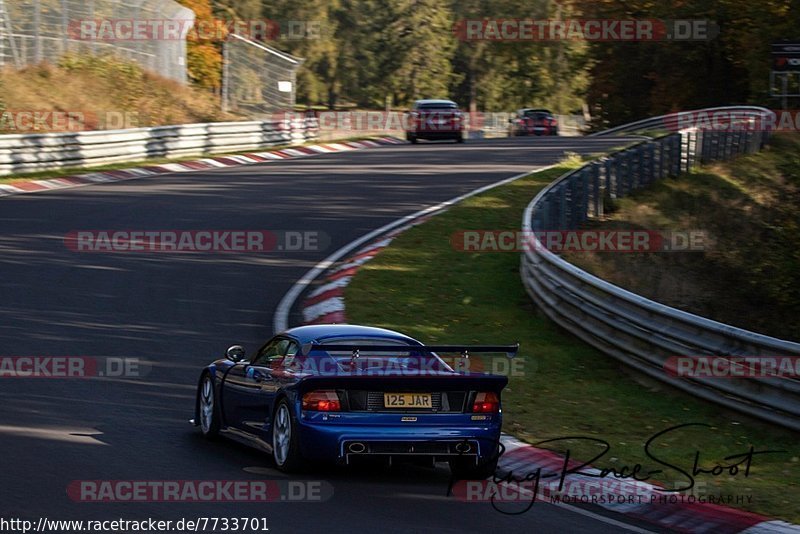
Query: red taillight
point(486, 403)
point(325, 400)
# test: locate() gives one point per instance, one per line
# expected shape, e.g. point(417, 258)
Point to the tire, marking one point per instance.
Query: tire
point(466, 469)
point(285, 442)
point(460, 139)
point(208, 407)
point(411, 139)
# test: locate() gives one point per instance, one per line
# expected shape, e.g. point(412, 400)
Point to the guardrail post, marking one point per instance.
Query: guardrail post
point(544, 213)
point(641, 166)
point(629, 166)
point(641, 177)
point(562, 207)
point(744, 144)
point(664, 156)
point(610, 169)
point(703, 140)
point(584, 192)
point(598, 190)
point(729, 145)
point(713, 143)
point(685, 151)
point(715, 139)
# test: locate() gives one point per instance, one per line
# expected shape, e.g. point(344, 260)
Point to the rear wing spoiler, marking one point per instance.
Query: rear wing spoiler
point(509, 350)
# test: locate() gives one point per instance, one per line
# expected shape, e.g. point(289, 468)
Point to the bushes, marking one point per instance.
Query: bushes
point(106, 90)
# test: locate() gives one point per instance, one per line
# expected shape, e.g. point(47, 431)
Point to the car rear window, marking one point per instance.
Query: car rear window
point(437, 106)
point(538, 114)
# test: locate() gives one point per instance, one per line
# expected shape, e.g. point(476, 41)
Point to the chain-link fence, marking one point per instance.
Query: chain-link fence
point(257, 79)
point(151, 32)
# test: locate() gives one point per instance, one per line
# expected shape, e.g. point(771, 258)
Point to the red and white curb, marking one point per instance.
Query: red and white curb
point(35, 186)
point(325, 304)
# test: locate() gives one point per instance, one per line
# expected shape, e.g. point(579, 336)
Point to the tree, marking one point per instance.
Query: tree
point(204, 55)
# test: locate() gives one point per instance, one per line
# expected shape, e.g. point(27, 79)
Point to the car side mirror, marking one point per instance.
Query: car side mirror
point(235, 353)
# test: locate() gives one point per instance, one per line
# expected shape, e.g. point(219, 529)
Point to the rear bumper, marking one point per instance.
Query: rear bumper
point(433, 135)
point(537, 131)
point(326, 440)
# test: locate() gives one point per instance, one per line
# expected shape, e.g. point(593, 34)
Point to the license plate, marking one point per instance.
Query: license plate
point(407, 400)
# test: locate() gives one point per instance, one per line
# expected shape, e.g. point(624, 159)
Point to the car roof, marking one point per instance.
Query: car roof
point(543, 110)
point(322, 332)
point(435, 101)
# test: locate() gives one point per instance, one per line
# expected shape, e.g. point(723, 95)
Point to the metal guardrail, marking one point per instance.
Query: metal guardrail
point(39, 152)
point(637, 331)
point(670, 120)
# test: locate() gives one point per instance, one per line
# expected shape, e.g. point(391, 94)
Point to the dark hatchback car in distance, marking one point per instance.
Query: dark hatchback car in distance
point(531, 121)
point(435, 119)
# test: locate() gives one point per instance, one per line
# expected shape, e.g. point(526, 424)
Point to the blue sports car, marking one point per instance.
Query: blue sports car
point(341, 392)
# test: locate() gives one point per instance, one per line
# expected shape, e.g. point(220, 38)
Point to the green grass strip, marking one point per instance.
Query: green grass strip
point(422, 286)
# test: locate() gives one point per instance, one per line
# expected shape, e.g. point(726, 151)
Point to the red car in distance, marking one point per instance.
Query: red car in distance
point(435, 119)
point(529, 121)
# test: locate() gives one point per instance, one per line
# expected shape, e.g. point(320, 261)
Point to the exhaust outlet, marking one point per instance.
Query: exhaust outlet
point(356, 447)
point(463, 447)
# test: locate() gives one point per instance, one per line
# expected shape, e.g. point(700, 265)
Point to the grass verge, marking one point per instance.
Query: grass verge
point(747, 273)
point(422, 286)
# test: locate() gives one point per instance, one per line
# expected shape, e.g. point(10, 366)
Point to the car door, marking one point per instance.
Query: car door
point(250, 387)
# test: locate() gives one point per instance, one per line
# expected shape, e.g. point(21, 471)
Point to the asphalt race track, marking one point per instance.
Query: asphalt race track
point(177, 312)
